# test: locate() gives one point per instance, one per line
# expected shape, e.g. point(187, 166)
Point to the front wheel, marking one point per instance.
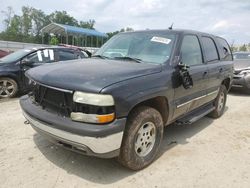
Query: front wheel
point(8, 88)
point(142, 138)
point(219, 103)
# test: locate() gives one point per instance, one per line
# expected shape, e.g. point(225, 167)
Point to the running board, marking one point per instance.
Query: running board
point(196, 115)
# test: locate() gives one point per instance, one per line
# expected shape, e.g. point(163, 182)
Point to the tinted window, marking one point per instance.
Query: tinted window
point(65, 55)
point(209, 49)
point(225, 52)
point(41, 56)
point(191, 50)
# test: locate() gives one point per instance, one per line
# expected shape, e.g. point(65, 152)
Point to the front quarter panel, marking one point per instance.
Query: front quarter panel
point(129, 93)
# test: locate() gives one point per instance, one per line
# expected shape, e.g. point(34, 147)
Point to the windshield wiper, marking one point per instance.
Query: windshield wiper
point(137, 60)
point(100, 56)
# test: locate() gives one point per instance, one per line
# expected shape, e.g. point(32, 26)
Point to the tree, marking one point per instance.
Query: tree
point(27, 26)
point(39, 20)
point(243, 48)
point(8, 16)
point(127, 29)
point(232, 47)
point(89, 24)
point(62, 17)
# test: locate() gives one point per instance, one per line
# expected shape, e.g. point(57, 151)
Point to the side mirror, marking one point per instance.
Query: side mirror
point(26, 61)
point(185, 77)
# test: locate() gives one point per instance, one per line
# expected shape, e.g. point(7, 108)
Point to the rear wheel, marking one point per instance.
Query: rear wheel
point(142, 138)
point(8, 88)
point(219, 103)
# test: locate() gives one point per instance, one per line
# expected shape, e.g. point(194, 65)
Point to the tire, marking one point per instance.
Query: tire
point(219, 103)
point(142, 138)
point(8, 88)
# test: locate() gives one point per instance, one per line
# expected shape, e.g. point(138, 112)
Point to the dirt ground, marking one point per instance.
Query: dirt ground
point(208, 153)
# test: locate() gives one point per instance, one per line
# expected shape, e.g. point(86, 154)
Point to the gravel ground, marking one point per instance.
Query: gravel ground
point(208, 153)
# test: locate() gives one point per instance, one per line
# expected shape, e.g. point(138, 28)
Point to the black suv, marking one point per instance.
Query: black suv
point(117, 103)
point(14, 65)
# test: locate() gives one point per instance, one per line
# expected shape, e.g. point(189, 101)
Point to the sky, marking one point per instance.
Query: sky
point(226, 18)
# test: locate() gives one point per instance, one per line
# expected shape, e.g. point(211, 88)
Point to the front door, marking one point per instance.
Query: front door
point(35, 59)
point(188, 99)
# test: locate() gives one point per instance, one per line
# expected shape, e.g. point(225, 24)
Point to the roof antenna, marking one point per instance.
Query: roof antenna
point(171, 27)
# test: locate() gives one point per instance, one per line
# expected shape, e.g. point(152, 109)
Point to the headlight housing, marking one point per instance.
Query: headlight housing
point(93, 99)
point(93, 108)
point(244, 72)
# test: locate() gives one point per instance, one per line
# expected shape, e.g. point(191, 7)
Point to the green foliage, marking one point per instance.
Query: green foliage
point(54, 41)
point(27, 26)
point(127, 29)
point(62, 17)
point(243, 48)
point(89, 24)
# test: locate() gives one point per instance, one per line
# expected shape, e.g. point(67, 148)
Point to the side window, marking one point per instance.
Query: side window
point(225, 52)
point(41, 56)
point(209, 49)
point(65, 55)
point(191, 50)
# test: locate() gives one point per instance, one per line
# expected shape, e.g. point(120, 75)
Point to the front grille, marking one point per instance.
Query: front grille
point(53, 100)
point(62, 103)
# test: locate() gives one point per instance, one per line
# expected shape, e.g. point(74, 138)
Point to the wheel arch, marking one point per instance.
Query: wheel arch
point(226, 82)
point(160, 103)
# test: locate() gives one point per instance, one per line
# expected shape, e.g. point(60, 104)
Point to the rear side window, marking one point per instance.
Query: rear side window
point(65, 55)
point(191, 50)
point(209, 49)
point(225, 52)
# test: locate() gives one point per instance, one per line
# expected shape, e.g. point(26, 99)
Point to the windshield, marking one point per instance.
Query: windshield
point(14, 56)
point(242, 56)
point(148, 47)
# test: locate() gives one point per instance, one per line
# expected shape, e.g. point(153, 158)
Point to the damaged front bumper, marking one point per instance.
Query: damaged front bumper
point(90, 139)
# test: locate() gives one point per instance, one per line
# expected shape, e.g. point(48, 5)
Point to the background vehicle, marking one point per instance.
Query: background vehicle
point(241, 78)
point(3, 53)
point(138, 82)
point(14, 65)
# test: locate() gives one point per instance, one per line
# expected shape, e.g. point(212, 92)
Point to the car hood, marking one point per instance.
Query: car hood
point(90, 75)
point(241, 64)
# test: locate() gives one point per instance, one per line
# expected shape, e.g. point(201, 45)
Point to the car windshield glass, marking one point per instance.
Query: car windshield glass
point(148, 47)
point(14, 56)
point(242, 56)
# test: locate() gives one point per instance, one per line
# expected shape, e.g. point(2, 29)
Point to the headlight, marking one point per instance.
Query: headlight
point(93, 99)
point(100, 108)
point(244, 72)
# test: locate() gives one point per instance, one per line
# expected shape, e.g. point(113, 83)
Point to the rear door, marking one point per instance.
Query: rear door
point(215, 68)
point(188, 99)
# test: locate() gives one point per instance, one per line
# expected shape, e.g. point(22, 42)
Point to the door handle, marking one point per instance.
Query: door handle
point(220, 70)
point(205, 74)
